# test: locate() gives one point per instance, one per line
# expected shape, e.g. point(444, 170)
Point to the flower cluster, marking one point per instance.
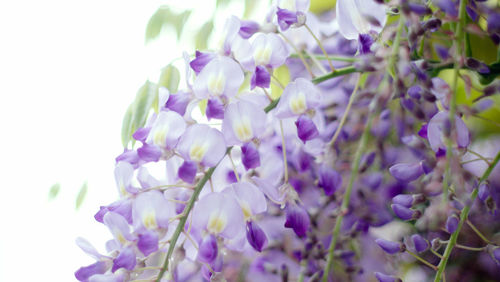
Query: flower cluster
point(299, 141)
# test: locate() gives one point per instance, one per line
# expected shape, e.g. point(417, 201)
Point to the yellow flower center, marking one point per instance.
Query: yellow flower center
point(298, 103)
point(216, 83)
point(216, 223)
point(243, 129)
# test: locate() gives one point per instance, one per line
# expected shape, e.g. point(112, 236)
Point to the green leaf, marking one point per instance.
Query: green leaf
point(81, 195)
point(203, 34)
point(54, 191)
point(137, 113)
point(127, 126)
point(164, 16)
point(221, 3)
point(170, 78)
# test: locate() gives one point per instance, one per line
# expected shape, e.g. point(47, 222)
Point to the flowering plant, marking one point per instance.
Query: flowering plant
point(316, 147)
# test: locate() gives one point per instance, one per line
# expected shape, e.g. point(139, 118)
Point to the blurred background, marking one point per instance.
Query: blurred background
point(68, 72)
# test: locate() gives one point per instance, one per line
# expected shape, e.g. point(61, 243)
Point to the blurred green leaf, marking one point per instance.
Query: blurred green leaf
point(127, 125)
point(137, 113)
point(54, 191)
point(81, 195)
point(249, 8)
point(221, 3)
point(203, 34)
point(169, 78)
point(165, 16)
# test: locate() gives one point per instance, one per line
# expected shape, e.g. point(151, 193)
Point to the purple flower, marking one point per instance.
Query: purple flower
point(405, 213)
point(208, 249)
point(404, 200)
point(256, 237)
point(421, 244)
point(286, 18)
point(436, 129)
point(406, 172)
point(452, 223)
point(269, 50)
point(297, 98)
point(357, 17)
point(390, 247)
point(260, 78)
point(119, 227)
point(386, 278)
point(123, 176)
point(178, 102)
point(84, 273)
point(221, 77)
point(250, 156)
point(219, 214)
point(249, 197)
point(151, 210)
point(207, 150)
point(329, 179)
point(148, 243)
point(297, 219)
point(248, 28)
point(201, 60)
point(306, 129)
point(125, 259)
point(166, 130)
point(484, 192)
point(215, 109)
point(242, 122)
point(187, 171)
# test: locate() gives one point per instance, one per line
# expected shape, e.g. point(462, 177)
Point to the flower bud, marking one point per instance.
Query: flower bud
point(484, 192)
point(390, 247)
point(256, 237)
point(405, 213)
point(420, 243)
point(452, 223)
point(208, 249)
point(404, 200)
point(386, 278)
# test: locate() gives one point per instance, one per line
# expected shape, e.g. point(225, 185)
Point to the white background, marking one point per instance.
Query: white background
point(68, 71)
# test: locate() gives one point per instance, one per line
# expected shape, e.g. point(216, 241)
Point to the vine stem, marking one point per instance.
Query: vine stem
point(421, 259)
point(453, 98)
point(463, 217)
point(306, 65)
point(320, 46)
point(357, 159)
point(333, 58)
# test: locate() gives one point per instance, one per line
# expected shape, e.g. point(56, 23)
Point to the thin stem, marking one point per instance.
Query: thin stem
point(337, 72)
point(234, 168)
point(283, 148)
point(183, 219)
point(320, 46)
point(476, 249)
point(478, 233)
point(278, 83)
point(346, 112)
point(421, 260)
point(436, 254)
point(488, 120)
point(306, 65)
point(333, 58)
point(395, 49)
point(345, 202)
point(463, 216)
point(479, 156)
point(316, 62)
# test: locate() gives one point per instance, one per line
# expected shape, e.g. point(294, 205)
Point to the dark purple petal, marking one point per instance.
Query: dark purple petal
point(404, 200)
point(286, 18)
point(414, 92)
point(129, 156)
point(256, 237)
point(484, 192)
point(260, 78)
point(406, 172)
point(85, 272)
point(448, 6)
point(452, 223)
point(442, 52)
point(297, 219)
point(201, 60)
point(329, 179)
point(231, 177)
point(419, 9)
point(208, 249)
point(365, 41)
point(421, 244)
point(149, 153)
point(141, 134)
point(472, 14)
point(496, 254)
point(404, 213)
point(125, 259)
point(248, 28)
point(494, 22)
point(386, 278)
point(390, 247)
point(250, 156)
point(178, 103)
point(148, 242)
point(215, 109)
point(306, 129)
point(187, 171)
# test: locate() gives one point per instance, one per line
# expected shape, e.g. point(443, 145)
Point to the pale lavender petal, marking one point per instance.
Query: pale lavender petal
point(124, 172)
point(201, 60)
point(84, 273)
point(178, 102)
point(406, 172)
point(269, 50)
point(286, 18)
point(88, 248)
point(118, 226)
point(141, 134)
point(208, 150)
point(166, 130)
point(298, 97)
point(249, 197)
point(220, 77)
point(248, 28)
point(242, 122)
point(149, 153)
point(151, 210)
